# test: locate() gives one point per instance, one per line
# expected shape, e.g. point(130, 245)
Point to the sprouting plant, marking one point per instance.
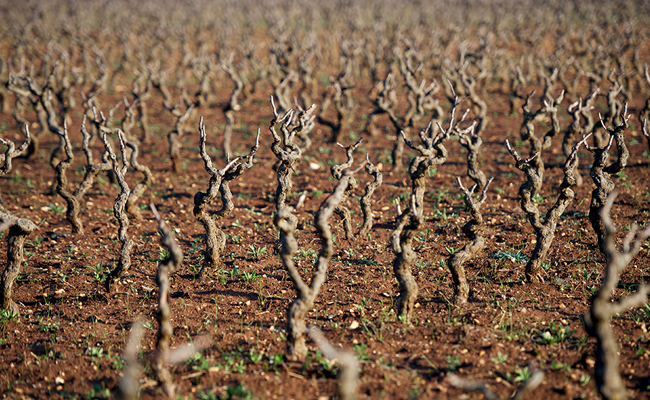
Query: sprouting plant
point(256, 252)
point(453, 363)
point(522, 374)
point(500, 358)
point(554, 334)
point(249, 277)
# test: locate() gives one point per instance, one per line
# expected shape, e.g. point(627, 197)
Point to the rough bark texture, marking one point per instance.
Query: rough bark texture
point(92, 169)
point(19, 230)
point(527, 131)
point(174, 136)
point(348, 378)
point(73, 207)
point(401, 239)
point(598, 319)
point(337, 172)
point(578, 110)
point(371, 170)
point(544, 228)
point(473, 229)
point(432, 153)
point(471, 140)
point(10, 154)
point(296, 325)
point(119, 211)
point(165, 328)
point(343, 113)
point(233, 105)
point(215, 239)
point(139, 188)
point(601, 174)
point(286, 151)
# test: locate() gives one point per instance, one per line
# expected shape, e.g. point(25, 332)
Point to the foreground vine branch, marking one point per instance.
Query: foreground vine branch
point(477, 386)
point(473, 229)
point(165, 329)
point(163, 356)
point(348, 378)
point(286, 223)
point(127, 387)
point(598, 319)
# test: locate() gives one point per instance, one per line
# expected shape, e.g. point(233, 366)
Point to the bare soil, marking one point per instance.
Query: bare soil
point(69, 337)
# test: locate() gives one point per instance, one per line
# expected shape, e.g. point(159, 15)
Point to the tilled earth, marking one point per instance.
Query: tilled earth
point(70, 335)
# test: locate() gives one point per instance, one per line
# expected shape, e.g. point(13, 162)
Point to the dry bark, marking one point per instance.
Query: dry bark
point(401, 240)
point(371, 170)
point(432, 152)
point(215, 239)
point(286, 150)
point(579, 109)
point(232, 106)
point(348, 378)
point(165, 328)
point(471, 140)
point(527, 131)
point(337, 172)
point(119, 211)
point(73, 208)
point(10, 154)
point(139, 188)
point(19, 230)
point(598, 319)
point(473, 229)
point(544, 227)
point(601, 174)
point(286, 223)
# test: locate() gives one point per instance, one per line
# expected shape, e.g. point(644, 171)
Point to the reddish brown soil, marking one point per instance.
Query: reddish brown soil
point(66, 314)
point(52, 350)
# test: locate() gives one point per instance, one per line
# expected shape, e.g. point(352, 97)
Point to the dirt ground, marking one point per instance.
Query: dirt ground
point(69, 338)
